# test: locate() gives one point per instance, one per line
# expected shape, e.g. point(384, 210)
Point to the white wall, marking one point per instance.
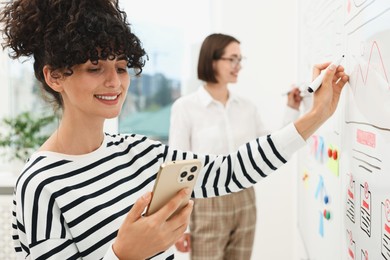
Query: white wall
point(268, 34)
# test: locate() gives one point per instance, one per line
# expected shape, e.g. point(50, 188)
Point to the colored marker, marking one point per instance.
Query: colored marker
point(318, 81)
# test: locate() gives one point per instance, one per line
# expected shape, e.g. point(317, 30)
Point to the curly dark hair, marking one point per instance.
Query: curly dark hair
point(64, 33)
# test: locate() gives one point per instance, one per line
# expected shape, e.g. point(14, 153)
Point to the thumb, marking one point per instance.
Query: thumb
point(330, 72)
point(139, 207)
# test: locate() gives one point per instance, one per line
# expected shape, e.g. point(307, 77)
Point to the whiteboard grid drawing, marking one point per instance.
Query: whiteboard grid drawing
point(356, 225)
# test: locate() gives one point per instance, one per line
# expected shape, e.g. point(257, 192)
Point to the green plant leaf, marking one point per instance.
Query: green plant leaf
point(22, 134)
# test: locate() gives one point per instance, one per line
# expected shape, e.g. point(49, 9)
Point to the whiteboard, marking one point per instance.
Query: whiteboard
point(344, 172)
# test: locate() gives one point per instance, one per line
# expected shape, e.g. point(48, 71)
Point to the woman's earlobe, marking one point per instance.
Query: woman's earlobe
point(52, 78)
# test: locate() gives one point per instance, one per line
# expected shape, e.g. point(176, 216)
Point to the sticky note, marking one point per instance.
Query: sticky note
point(333, 159)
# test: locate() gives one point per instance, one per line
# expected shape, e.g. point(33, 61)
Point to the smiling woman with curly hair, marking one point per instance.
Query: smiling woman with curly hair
point(90, 30)
point(83, 193)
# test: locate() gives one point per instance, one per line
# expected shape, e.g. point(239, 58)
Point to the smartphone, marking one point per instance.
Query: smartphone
point(171, 178)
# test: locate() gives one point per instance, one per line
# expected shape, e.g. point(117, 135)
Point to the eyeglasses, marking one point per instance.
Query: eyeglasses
point(234, 61)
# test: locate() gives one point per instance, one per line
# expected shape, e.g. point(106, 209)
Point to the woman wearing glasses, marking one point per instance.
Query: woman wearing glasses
point(211, 121)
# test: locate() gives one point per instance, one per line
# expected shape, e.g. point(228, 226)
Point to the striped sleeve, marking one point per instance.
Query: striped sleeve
point(251, 163)
point(59, 242)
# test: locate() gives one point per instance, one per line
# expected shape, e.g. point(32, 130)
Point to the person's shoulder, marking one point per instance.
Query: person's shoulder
point(190, 99)
point(35, 169)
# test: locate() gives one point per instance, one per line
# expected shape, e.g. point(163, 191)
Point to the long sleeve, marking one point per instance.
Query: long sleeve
point(33, 244)
point(242, 169)
point(180, 129)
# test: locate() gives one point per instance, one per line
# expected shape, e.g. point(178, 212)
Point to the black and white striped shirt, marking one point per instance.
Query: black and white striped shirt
point(71, 206)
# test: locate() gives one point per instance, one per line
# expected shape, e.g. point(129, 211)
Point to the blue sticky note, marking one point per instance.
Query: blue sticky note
point(319, 186)
point(321, 225)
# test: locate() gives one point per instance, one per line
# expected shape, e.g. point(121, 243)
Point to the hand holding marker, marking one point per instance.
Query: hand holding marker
point(315, 84)
point(318, 81)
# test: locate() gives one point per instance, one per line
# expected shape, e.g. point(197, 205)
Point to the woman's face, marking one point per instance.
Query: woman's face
point(96, 90)
point(229, 65)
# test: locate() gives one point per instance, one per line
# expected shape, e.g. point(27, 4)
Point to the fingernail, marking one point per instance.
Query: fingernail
point(332, 66)
point(187, 191)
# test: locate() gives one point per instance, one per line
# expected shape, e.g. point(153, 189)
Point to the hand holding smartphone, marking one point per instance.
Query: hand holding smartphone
point(171, 178)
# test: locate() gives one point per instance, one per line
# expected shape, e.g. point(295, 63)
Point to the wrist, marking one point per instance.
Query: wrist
point(119, 253)
point(310, 122)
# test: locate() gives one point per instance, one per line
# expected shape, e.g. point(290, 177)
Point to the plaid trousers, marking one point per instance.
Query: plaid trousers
point(223, 228)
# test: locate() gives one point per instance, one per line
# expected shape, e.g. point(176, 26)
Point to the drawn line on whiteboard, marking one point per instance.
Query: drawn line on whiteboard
point(363, 123)
point(358, 5)
point(325, 22)
point(369, 164)
point(368, 21)
point(326, 4)
point(360, 70)
point(365, 168)
point(365, 224)
point(375, 158)
point(361, 10)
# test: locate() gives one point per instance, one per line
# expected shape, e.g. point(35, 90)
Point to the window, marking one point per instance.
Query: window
point(171, 33)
